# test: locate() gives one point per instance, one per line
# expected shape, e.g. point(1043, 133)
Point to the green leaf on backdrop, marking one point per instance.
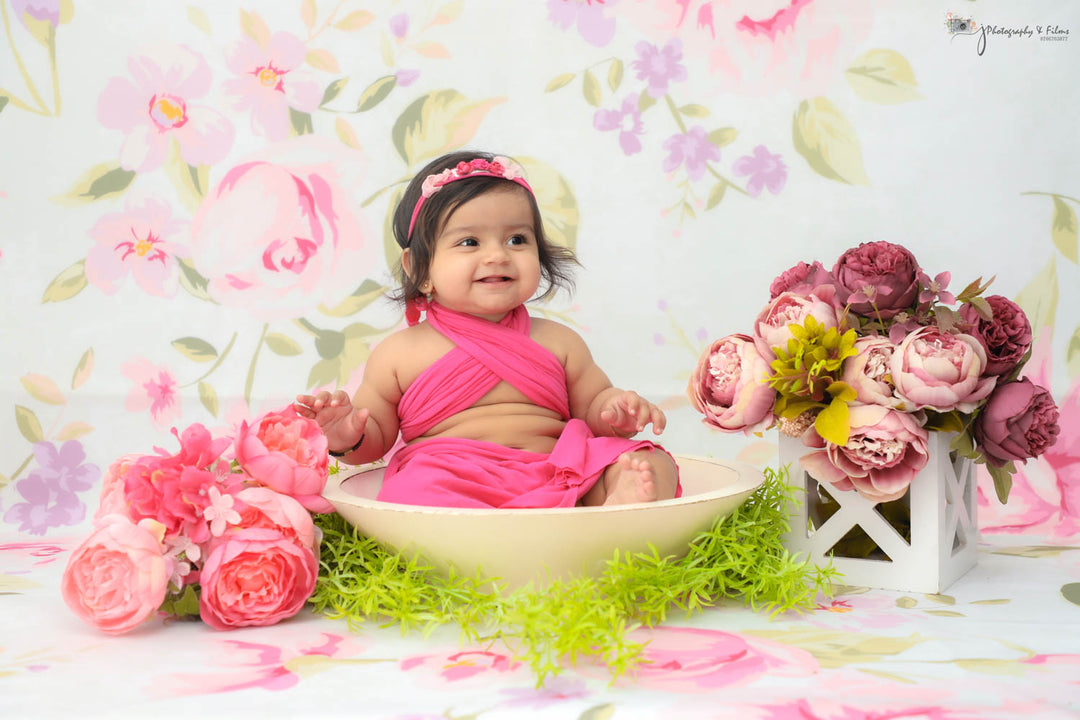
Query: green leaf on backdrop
point(1039, 298)
point(375, 93)
point(437, 123)
point(103, 180)
point(722, 137)
point(558, 205)
point(333, 90)
point(355, 20)
point(615, 74)
point(192, 281)
point(694, 111)
point(190, 182)
point(199, 19)
point(341, 353)
point(346, 134)
point(828, 142)
point(1063, 229)
point(196, 349)
point(391, 250)
point(1072, 354)
point(716, 194)
point(255, 27)
point(368, 292)
point(1071, 592)
point(590, 88)
point(41, 30)
point(645, 101)
point(83, 369)
point(300, 122)
point(3, 102)
point(208, 397)
point(283, 345)
point(69, 283)
point(28, 424)
point(42, 389)
point(598, 712)
point(559, 81)
point(74, 431)
point(884, 77)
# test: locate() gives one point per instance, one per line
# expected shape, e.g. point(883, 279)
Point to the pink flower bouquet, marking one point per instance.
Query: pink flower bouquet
point(863, 361)
point(193, 533)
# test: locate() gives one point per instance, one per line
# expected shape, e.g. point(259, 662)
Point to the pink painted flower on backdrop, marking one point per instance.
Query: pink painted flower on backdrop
point(884, 452)
point(156, 107)
point(764, 170)
point(270, 82)
point(1006, 337)
point(282, 569)
point(868, 372)
point(406, 77)
point(399, 25)
point(118, 576)
point(760, 48)
point(659, 66)
point(155, 389)
point(264, 508)
point(286, 453)
point(282, 232)
point(802, 279)
point(46, 10)
point(877, 279)
point(589, 16)
point(50, 491)
point(1018, 422)
point(788, 308)
point(729, 386)
point(940, 371)
point(627, 120)
point(465, 664)
point(692, 149)
point(139, 241)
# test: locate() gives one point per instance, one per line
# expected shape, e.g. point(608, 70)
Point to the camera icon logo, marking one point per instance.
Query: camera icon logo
point(959, 24)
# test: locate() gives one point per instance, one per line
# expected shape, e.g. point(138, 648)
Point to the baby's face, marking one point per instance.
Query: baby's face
point(486, 260)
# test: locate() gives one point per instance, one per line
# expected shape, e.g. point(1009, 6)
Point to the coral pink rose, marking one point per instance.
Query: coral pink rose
point(118, 576)
point(878, 278)
point(286, 453)
point(802, 279)
point(255, 576)
point(1020, 421)
point(112, 499)
point(884, 452)
point(868, 372)
point(264, 508)
point(729, 386)
point(941, 371)
point(1006, 337)
point(771, 326)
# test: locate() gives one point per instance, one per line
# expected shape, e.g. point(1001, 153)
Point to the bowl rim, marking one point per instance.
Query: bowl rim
point(748, 479)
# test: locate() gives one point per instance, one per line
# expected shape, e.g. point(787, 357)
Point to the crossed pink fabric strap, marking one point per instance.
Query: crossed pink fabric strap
point(485, 354)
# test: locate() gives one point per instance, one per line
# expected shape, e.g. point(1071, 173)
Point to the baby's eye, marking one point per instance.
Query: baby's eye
point(518, 240)
point(469, 242)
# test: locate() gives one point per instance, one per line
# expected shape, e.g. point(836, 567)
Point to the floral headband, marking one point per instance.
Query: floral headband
point(499, 167)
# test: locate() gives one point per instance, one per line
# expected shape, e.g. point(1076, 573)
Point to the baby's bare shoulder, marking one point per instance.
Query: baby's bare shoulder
point(563, 341)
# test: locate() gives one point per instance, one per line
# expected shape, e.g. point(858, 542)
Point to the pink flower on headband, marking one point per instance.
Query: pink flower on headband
point(498, 167)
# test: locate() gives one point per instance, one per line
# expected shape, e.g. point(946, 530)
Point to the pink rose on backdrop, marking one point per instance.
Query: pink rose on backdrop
point(729, 386)
point(286, 453)
point(142, 241)
point(868, 372)
point(801, 279)
point(941, 371)
point(1019, 422)
point(877, 278)
point(269, 83)
point(281, 234)
point(1006, 337)
point(155, 389)
point(884, 452)
point(255, 576)
point(760, 48)
point(771, 326)
point(264, 508)
point(118, 576)
point(155, 107)
point(591, 19)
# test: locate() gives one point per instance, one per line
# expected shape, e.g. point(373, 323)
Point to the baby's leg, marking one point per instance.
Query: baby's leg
point(640, 476)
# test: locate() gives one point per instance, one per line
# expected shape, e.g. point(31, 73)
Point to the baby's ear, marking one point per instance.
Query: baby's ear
point(406, 262)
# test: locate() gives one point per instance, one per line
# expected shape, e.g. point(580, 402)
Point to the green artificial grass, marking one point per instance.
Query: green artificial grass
point(740, 557)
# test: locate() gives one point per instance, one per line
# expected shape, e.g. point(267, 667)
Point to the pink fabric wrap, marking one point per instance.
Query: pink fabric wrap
point(456, 472)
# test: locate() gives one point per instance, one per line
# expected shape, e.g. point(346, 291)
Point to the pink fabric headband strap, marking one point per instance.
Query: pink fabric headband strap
point(499, 167)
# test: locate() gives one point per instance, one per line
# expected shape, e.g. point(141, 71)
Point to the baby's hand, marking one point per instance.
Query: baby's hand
point(628, 413)
point(342, 423)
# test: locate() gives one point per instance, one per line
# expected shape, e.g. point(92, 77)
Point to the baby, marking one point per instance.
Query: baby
point(497, 409)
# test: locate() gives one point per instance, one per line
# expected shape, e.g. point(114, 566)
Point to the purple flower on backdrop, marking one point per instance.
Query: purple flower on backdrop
point(691, 149)
point(764, 169)
point(658, 66)
point(595, 28)
point(405, 77)
point(51, 491)
point(627, 120)
point(399, 25)
point(48, 10)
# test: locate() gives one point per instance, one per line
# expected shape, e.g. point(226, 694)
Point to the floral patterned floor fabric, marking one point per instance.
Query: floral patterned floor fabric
point(195, 201)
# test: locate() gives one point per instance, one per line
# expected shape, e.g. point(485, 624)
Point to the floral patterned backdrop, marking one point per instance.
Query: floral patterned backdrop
point(196, 196)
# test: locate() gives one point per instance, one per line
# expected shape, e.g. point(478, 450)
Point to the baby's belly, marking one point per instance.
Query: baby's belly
point(518, 425)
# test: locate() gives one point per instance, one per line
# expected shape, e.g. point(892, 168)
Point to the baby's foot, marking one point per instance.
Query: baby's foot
point(630, 480)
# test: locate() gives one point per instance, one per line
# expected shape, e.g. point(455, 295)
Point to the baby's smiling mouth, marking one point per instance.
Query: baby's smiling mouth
point(495, 279)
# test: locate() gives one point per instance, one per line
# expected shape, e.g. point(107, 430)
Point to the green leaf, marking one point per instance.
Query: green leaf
point(329, 343)
point(300, 122)
point(828, 142)
point(591, 89)
point(333, 90)
point(42, 389)
point(199, 19)
point(184, 605)
point(195, 349)
point(694, 111)
point(208, 397)
point(723, 137)
point(1071, 592)
point(67, 284)
point(74, 431)
point(282, 345)
point(355, 20)
point(615, 74)
point(645, 101)
point(103, 180)
point(716, 194)
point(83, 369)
point(1039, 298)
point(376, 92)
point(1063, 229)
point(598, 712)
point(3, 102)
point(883, 76)
point(559, 81)
point(368, 292)
point(28, 424)
point(906, 602)
point(1002, 482)
point(438, 122)
point(833, 423)
point(192, 281)
point(191, 182)
point(1072, 354)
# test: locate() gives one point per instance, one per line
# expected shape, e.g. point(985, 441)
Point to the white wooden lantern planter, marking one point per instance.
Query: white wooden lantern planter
point(944, 532)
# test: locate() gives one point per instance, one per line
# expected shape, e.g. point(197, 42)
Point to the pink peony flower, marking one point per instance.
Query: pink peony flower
point(118, 576)
point(877, 278)
point(280, 235)
point(113, 501)
point(1019, 422)
point(771, 326)
point(155, 107)
point(801, 279)
point(941, 371)
point(1006, 337)
point(154, 389)
point(269, 83)
point(729, 386)
point(627, 120)
point(286, 453)
point(868, 372)
point(137, 241)
point(262, 507)
point(255, 576)
point(884, 452)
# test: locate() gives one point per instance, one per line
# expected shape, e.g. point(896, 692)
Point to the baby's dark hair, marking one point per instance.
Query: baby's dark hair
point(555, 260)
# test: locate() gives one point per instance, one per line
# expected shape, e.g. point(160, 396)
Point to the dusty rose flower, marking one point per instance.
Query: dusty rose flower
point(286, 453)
point(1006, 337)
point(868, 372)
point(885, 451)
point(264, 508)
point(729, 386)
point(255, 576)
point(118, 576)
point(1020, 421)
point(771, 325)
point(802, 279)
point(941, 371)
point(878, 278)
